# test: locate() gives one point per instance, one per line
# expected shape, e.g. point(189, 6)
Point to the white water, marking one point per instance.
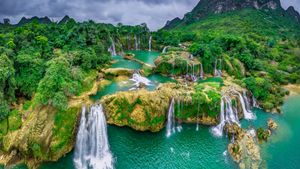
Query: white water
point(198, 110)
point(136, 43)
point(228, 115)
point(171, 119)
point(248, 114)
point(92, 147)
point(201, 71)
point(112, 48)
point(150, 43)
point(165, 49)
point(254, 102)
point(217, 72)
point(137, 79)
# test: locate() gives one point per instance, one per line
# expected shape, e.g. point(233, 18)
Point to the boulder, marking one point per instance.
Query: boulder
point(272, 125)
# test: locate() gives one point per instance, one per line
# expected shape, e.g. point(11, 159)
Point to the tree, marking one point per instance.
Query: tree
point(7, 86)
point(57, 84)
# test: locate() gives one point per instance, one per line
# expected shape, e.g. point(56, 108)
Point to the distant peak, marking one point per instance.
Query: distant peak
point(65, 19)
point(44, 20)
point(210, 7)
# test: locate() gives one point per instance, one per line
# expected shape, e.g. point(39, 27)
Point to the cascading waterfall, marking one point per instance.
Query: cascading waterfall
point(198, 110)
point(164, 49)
point(136, 44)
point(92, 147)
point(247, 102)
point(139, 42)
point(150, 43)
point(193, 77)
point(254, 102)
point(112, 48)
point(137, 79)
point(217, 72)
point(228, 114)
point(171, 119)
point(201, 71)
point(244, 102)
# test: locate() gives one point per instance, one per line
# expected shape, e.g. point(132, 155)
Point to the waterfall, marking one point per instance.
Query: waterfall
point(244, 102)
point(254, 102)
point(127, 41)
point(92, 147)
point(139, 42)
point(247, 102)
point(228, 114)
point(165, 49)
point(112, 48)
point(137, 79)
point(136, 44)
point(193, 77)
point(201, 71)
point(171, 119)
point(150, 43)
point(217, 72)
point(198, 110)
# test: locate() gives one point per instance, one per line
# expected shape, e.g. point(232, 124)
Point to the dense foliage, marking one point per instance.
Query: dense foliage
point(260, 48)
point(50, 62)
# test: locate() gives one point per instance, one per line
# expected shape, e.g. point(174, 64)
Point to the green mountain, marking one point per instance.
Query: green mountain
point(43, 20)
point(256, 37)
point(210, 7)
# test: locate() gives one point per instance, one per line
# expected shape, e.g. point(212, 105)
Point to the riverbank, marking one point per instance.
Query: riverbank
point(294, 89)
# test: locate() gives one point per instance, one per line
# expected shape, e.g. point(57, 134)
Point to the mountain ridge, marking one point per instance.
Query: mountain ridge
point(210, 7)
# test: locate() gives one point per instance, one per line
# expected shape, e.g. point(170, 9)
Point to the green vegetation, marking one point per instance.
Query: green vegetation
point(125, 109)
point(12, 123)
point(259, 47)
point(205, 101)
point(63, 130)
point(263, 134)
point(43, 66)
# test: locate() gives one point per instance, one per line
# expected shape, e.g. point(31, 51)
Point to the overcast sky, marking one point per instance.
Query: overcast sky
point(153, 12)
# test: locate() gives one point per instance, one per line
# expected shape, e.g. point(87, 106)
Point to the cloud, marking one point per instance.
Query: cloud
point(153, 12)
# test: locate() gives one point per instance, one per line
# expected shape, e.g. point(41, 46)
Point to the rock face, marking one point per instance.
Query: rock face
point(140, 110)
point(208, 7)
point(244, 149)
point(147, 110)
point(37, 139)
point(177, 63)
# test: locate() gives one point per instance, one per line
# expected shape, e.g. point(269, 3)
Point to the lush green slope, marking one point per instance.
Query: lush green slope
point(246, 22)
point(259, 48)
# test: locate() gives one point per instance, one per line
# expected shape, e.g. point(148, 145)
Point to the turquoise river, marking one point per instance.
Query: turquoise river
point(190, 148)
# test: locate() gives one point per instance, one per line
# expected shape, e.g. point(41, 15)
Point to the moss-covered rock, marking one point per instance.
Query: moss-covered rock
point(45, 135)
point(147, 110)
point(177, 63)
point(244, 149)
point(116, 72)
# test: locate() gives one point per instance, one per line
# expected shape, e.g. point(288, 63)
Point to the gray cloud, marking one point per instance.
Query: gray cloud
point(153, 12)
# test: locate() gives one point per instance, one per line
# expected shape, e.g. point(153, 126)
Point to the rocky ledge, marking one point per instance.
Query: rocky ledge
point(244, 148)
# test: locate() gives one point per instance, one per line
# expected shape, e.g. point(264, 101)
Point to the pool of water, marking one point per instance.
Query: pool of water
point(145, 56)
point(115, 86)
point(195, 149)
point(199, 149)
point(185, 149)
point(124, 63)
